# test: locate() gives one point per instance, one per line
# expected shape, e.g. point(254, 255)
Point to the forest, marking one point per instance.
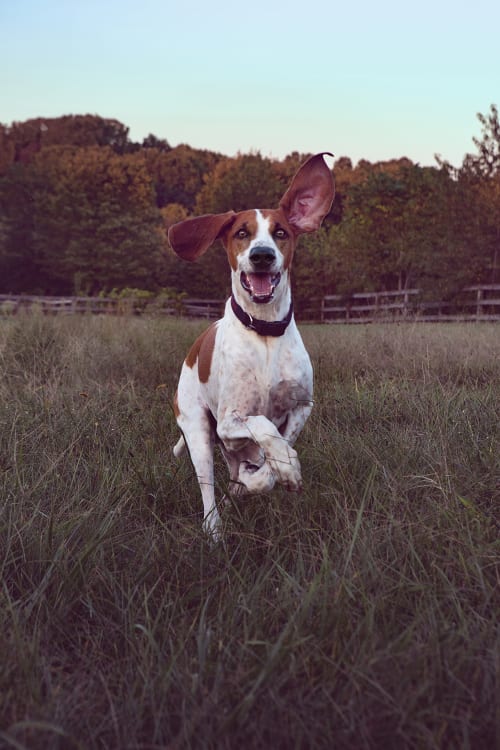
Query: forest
point(85, 210)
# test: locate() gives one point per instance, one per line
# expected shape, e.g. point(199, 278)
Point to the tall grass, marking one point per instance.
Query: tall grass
point(361, 614)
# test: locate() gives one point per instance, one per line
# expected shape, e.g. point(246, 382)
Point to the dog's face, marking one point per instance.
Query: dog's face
point(259, 246)
point(260, 243)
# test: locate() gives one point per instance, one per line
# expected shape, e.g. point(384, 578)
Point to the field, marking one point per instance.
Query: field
point(362, 613)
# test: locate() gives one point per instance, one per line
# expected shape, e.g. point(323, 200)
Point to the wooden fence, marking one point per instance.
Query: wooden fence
point(479, 303)
point(474, 303)
point(195, 308)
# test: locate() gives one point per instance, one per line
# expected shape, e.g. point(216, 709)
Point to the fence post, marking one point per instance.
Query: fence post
point(479, 307)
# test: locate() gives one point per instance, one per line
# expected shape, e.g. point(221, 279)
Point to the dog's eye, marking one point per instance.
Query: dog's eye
point(280, 234)
point(241, 234)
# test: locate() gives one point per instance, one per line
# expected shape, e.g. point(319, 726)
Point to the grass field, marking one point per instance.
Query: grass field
point(361, 614)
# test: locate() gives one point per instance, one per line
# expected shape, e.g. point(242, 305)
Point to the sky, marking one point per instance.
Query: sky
point(368, 80)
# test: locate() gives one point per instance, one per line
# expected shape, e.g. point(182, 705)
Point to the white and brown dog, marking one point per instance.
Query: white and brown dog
point(247, 381)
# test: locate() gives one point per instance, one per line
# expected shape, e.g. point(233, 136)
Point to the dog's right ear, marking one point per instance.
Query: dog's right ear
point(192, 237)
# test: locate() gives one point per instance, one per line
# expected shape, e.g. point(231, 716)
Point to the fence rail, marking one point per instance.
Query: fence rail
point(474, 303)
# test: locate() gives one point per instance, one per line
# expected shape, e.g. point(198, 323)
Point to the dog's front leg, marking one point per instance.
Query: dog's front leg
point(274, 458)
point(295, 422)
point(200, 442)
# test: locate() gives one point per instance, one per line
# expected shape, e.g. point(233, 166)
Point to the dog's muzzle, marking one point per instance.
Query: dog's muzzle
point(262, 282)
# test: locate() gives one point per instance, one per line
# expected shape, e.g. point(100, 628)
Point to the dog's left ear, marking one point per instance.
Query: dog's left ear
point(310, 195)
point(192, 237)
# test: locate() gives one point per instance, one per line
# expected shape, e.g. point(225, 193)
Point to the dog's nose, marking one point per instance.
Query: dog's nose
point(262, 256)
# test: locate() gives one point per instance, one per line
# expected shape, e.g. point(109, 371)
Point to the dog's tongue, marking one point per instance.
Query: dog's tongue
point(261, 284)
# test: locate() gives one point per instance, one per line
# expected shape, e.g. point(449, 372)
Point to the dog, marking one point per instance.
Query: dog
point(247, 381)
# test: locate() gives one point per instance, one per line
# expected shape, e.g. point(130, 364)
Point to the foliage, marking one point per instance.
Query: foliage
point(247, 181)
point(313, 270)
point(407, 229)
point(151, 141)
point(18, 268)
point(94, 224)
point(482, 170)
point(487, 161)
point(23, 140)
point(178, 174)
point(84, 209)
point(141, 300)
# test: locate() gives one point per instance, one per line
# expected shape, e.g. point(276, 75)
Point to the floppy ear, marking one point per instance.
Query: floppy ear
point(192, 237)
point(310, 195)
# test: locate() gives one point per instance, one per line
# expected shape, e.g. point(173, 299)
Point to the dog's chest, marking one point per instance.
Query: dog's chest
point(263, 376)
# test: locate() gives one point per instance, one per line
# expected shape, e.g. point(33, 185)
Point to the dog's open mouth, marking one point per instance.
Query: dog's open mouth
point(260, 286)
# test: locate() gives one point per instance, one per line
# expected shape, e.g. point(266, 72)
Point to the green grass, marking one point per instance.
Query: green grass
point(361, 614)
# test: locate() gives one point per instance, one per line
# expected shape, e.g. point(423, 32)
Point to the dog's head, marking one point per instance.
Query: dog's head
point(260, 243)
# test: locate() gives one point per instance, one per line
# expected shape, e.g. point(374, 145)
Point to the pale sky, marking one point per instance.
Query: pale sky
point(374, 80)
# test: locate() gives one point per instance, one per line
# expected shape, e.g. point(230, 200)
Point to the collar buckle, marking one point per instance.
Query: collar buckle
point(250, 325)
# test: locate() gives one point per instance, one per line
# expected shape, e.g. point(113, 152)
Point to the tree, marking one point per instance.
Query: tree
point(313, 273)
point(407, 228)
point(482, 173)
point(95, 222)
point(18, 270)
point(6, 149)
point(151, 141)
point(371, 234)
point(178, 174)
point(21, 141)
point(247, 181)
point(487, 162)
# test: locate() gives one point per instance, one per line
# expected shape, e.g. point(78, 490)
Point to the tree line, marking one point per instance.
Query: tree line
point(85, 210)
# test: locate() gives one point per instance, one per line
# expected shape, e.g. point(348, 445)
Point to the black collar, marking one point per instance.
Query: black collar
point(262, 327)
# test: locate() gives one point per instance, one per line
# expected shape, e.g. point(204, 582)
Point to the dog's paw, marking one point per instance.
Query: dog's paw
point(286, 467)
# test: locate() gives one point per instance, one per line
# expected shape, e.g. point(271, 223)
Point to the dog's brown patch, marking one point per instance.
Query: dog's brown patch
point(202, 351)
point(246, 222)
point(277, 220)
